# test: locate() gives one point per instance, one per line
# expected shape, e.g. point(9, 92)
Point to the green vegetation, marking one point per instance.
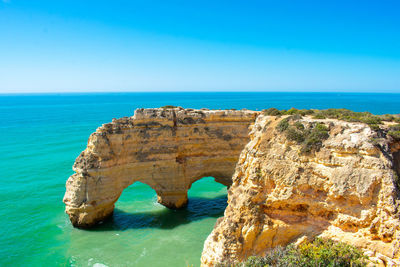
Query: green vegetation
point(318, 253)
point(341, 114)
point(299, 133)
point(168, 107)
point(347, 115)
point(283, 125)
point(309, 136)
point(272, 112)
point(394, 131)
point(292, 111)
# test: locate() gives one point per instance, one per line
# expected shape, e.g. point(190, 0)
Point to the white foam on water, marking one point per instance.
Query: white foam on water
point(143, 252)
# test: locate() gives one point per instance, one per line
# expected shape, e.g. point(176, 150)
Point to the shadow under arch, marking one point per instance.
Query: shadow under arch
point(202, 204)
point(148, 213)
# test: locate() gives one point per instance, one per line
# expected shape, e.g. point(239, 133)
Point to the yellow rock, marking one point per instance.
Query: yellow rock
point(167, 149)
point(346, 191)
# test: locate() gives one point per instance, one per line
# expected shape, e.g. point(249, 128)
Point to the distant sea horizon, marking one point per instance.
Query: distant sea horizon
point(201, 91)
point(43, 133)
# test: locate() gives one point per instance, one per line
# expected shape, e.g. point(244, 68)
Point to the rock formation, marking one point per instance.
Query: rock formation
point(166, 148)
point(347, 191)
point(346, 188)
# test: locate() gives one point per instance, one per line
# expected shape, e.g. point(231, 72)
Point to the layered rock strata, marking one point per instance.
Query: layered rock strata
point(347, 191)
point(167, 149)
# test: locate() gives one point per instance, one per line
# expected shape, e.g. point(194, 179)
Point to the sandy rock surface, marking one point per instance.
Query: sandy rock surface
point(346, 191)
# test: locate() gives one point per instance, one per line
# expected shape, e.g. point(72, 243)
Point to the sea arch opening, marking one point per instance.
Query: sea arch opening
point(137, 197)
point(137, 206)
point(207, 198)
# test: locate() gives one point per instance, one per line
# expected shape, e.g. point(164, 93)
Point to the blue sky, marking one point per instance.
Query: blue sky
point(91, 46)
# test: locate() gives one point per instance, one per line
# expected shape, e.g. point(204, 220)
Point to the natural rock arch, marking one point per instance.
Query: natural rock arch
point(167, 149)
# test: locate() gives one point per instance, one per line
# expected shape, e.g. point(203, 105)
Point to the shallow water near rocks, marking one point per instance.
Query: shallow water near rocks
point(41, 135)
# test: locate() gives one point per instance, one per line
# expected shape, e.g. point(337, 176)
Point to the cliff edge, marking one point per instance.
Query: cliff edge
point(339, 182)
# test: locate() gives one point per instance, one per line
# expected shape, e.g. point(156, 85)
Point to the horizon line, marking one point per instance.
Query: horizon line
point(198, 91)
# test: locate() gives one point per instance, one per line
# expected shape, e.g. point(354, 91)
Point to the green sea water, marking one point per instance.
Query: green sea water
point(41, 135)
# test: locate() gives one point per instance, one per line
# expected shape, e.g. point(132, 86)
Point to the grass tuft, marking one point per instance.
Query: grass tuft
point(318, 253)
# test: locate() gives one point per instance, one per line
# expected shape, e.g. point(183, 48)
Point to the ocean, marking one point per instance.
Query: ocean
point(42, 134)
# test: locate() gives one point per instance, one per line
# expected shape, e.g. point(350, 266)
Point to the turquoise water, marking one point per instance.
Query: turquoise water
point(41, 135)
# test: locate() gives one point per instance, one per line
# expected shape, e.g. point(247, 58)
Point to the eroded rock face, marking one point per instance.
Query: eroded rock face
point(168, 149)
point(347, 191)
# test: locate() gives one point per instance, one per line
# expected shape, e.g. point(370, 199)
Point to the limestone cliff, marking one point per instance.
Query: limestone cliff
point(347, 190)
point(166, 148)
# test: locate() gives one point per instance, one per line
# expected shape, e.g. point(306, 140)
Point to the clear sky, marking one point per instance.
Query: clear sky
point(121, 45)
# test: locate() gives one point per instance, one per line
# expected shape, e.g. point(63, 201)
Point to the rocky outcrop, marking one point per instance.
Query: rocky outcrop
point(347, 191)
point(166, 148)
point(345, 188)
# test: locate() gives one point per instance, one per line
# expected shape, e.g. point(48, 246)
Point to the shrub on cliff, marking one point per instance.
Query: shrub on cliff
point(292, 111)
point(272, 112)
point(394, 131)
point(310, 138)
point(326, 253)
point(315, 137)
point(294, 134)
point(283, 125)
point(302, 112)
point(168, 107)
point(341, 114)
point(318, 253)
point(351, 116)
